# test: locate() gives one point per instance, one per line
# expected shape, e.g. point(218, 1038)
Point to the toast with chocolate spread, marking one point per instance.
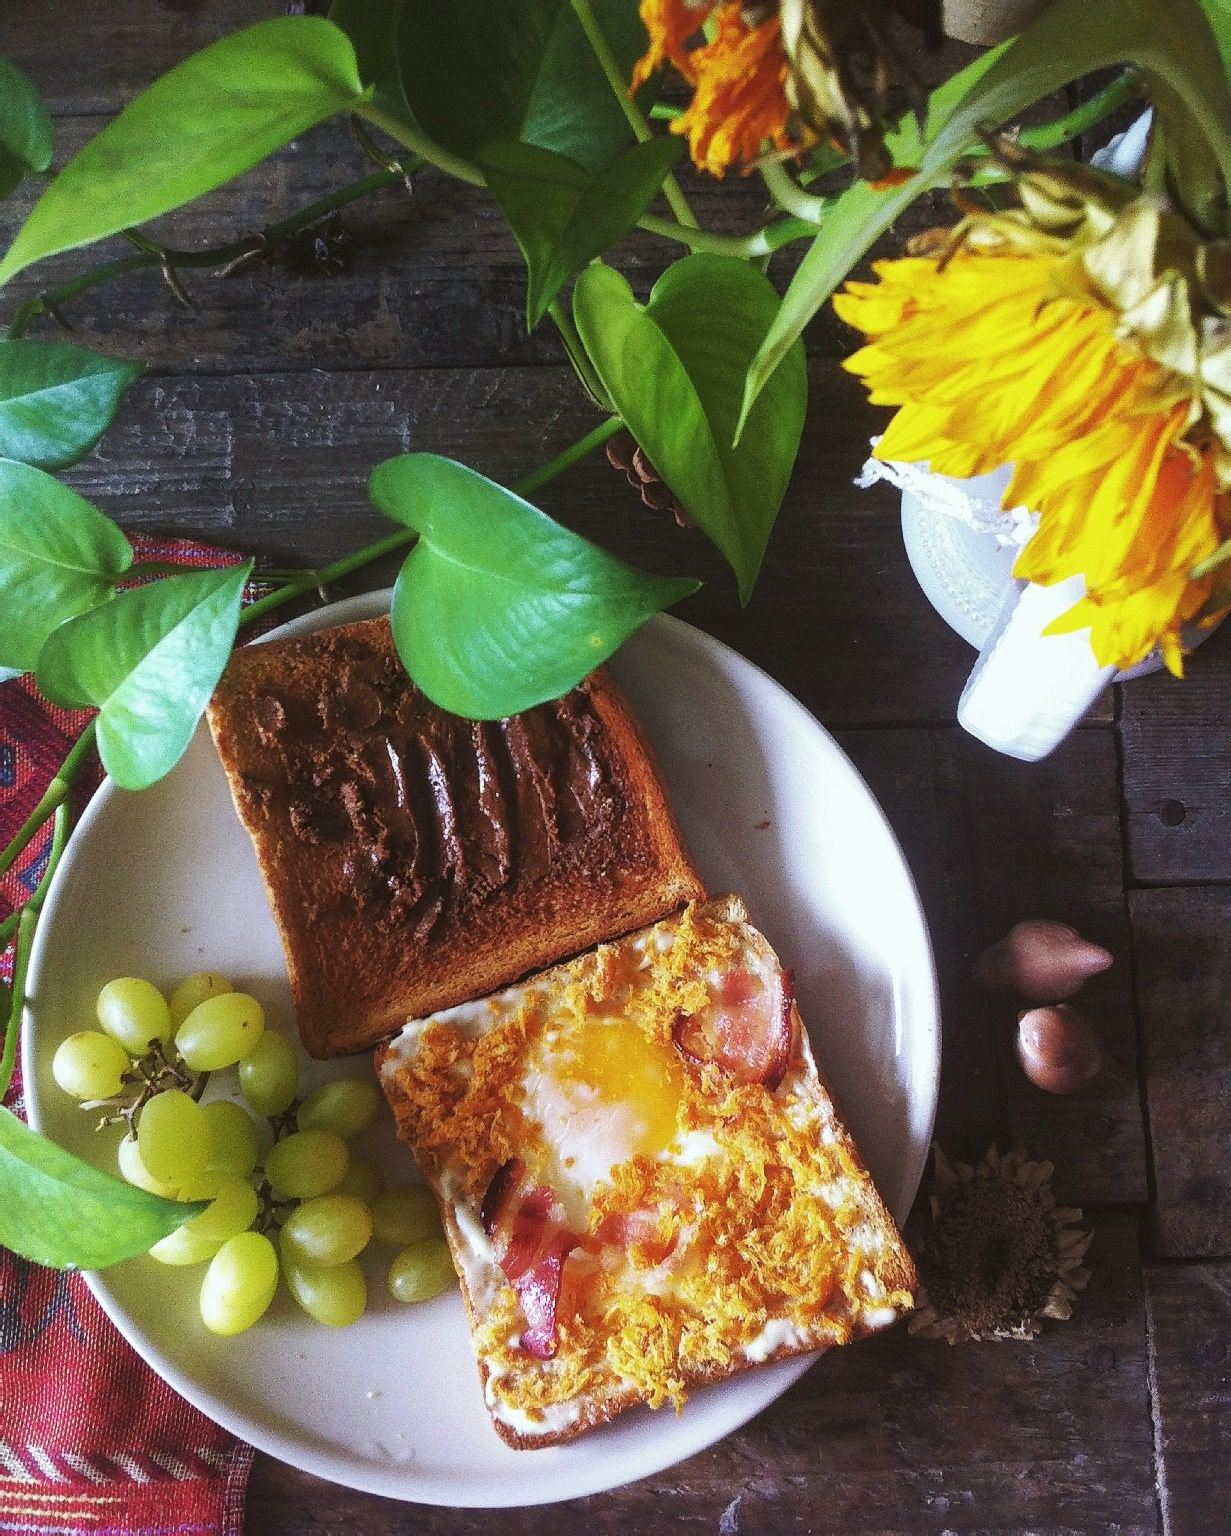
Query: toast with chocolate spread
point(414, 859)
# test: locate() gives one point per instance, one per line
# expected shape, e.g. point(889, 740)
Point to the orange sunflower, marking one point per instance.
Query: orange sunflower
point(777, 76)
point(1093, 354)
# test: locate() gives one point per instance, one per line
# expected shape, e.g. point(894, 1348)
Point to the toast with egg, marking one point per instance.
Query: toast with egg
point(643, 1179)
point(414, 859)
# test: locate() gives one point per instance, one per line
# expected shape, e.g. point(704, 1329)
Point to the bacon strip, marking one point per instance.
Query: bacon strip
point(531, 1248)
point(746, 1030)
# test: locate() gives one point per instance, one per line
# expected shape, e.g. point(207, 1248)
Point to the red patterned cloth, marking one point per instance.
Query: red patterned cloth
point(91, 1440)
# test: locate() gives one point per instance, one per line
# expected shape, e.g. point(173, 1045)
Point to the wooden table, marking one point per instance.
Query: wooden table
point(257, 424)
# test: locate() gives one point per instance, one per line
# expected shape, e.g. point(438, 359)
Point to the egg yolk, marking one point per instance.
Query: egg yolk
point(623, 1066)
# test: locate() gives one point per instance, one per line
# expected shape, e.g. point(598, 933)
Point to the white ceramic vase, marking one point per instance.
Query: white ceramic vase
point(1027, 690)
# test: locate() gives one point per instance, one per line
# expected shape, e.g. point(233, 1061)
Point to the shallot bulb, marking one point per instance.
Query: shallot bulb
point(1059, 1049)
point(1040, 961)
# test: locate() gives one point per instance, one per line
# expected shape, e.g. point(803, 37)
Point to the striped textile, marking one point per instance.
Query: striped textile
point(91, 1440)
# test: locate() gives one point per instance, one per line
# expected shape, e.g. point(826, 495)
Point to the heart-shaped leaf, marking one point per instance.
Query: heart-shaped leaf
point(65, 1213)
point(218, 113)
point(562, 215)
point(59, 556)
point(25, 128)
point(474, 71)
point(149, 661)
point(498, 608)
point(674, 369)
point(57, 400)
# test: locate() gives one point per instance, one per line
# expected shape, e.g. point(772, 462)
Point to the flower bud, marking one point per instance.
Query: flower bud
point(1059, 1049)
point(1041, 961)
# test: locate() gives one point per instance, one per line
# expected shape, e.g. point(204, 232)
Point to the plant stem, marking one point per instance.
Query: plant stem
point(791, 197)
point(419, 143)
point(578, 356)
point(610, 67)
point(53, 796)
point(1081, 119)
point(761, 242)
point(21, 960)
point(530, 483)
point(309, 581)
point(51, 299)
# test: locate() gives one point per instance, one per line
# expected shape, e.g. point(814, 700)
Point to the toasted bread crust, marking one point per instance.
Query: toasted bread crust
point(888, 1260)
point(413, 860)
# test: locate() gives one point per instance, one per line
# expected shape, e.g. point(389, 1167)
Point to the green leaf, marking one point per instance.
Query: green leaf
point(674, 370)
point(217, 114)
point(1070, 39)
point(57, 400)
point(498, 608)
point(562, 215)
point(25, 128)
point(475, 71)
point(59, 556)
point(149, 661)
point(65, 1213)
point(372, 26)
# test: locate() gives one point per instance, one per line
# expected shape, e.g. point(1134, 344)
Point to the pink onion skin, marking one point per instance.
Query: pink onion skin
point(1042, 961)
point(1059, 1049)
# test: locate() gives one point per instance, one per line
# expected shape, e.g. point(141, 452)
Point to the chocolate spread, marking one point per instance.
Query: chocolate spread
point(431, 813)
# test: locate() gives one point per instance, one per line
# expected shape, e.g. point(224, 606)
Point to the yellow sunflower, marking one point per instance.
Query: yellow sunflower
point(1092, 360)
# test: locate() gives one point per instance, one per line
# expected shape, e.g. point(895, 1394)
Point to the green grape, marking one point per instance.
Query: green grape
point(128, 1155)
point(336, 1296)
point(362, 1178)
point(269, 1075)
point(232, 1208)
point(135, 1013)
point(89, 1065)
point(306, 1163)
point(345, 1107)
point(195, 989)
point(406, 1215)
point(183, 1246)
point(421, 1271)
point(220, 1031)
point(239, 1283)
point(236, 1149)
point(327, 1230)
point(174, 1137)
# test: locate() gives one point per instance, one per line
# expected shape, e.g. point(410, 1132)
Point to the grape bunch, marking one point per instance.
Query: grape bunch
point(301, 1208)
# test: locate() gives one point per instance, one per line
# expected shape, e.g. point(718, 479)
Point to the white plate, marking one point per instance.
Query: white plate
point(166, 882)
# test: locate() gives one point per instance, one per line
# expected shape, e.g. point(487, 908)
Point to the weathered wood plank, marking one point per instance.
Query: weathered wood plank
point(279, 465)
point(1189, 1308)
point(95, 57)
point(894, 1435)
point(1182, 945)
point(1177, 790)
point(992, 841)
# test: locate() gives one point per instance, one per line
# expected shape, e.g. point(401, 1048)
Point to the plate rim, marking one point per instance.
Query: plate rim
point(297, 1452)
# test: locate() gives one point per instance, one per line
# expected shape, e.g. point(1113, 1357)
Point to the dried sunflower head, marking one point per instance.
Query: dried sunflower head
point(1000, 1255)
point(778, 76)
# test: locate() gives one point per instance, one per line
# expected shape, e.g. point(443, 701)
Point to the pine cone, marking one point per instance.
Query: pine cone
point(624, 454)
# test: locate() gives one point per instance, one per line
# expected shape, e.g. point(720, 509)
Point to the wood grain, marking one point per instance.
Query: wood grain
point(992, 841)
point(892, 1435)
point(1177, 790)
point(1190, 1324)
point(1182, 943)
